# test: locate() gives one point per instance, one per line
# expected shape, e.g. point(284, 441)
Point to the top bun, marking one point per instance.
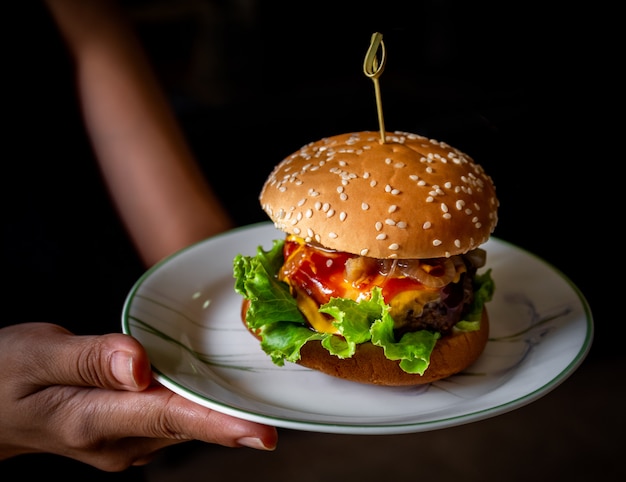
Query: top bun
point(409, 197)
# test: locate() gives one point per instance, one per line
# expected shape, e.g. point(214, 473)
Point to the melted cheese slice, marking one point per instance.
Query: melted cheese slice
point(310, 309)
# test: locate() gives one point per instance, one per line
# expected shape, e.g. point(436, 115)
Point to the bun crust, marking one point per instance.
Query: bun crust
point(452, 354)
point(410, 197)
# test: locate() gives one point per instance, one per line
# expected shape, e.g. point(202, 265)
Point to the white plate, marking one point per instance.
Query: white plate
point(186, 313)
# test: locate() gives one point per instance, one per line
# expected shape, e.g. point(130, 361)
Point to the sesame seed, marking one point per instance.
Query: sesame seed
point(364, 252)
point(457, 243)
point(394, 246)
point(378, 226)
point(365, 206)
point(444, 207)
point(330, 213)
point(343, 215)
point(309, 213)
point(437, 242)
point(392, 208)
point(332, 235)
point(343, 196)
point(426, 225)
point(390, 222)
point(430, 199)
point(381, 236)
point(401, 224)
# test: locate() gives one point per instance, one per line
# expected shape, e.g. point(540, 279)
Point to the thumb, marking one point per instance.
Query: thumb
point(111, 361)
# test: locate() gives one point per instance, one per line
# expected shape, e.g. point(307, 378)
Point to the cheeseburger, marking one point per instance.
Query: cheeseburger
point(378, 278)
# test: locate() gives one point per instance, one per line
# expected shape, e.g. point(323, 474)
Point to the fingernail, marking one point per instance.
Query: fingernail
point(253, 443)
point(122, 368)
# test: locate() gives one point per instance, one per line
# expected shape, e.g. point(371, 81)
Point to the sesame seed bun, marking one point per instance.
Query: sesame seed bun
point(409, 197)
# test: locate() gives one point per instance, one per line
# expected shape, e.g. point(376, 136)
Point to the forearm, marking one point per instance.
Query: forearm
point(161, 195)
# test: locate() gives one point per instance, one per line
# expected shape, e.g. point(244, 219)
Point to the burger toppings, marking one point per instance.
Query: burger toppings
point(422, 294)
point(300, 292)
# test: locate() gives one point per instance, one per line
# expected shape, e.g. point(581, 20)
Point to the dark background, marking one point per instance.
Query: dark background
point(531, 90)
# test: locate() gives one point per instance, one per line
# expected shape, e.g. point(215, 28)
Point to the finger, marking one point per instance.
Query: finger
point(159, 414)
point(112, 361)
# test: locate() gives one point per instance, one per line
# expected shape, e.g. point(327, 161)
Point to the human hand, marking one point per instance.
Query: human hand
point(93, 399)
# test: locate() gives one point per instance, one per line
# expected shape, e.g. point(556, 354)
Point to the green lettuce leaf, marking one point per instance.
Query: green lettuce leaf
point(270, 299)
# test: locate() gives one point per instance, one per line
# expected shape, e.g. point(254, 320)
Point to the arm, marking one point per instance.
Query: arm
point(159, 191)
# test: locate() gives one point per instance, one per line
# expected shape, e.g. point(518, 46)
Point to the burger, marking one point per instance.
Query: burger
point(378, 278)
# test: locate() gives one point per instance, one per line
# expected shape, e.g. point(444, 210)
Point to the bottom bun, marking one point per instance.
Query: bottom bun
point(452, 354)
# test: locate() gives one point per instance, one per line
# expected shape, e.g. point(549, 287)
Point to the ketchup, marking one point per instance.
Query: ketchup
point(321, 274)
